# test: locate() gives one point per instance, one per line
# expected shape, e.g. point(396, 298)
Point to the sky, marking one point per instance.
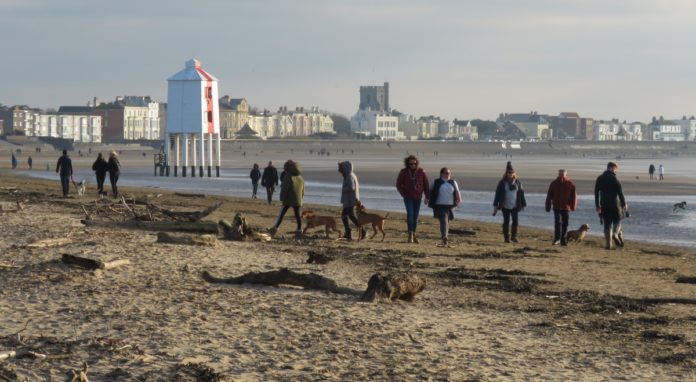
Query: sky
point(626, 59)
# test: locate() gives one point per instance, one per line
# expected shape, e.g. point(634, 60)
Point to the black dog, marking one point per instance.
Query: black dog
point(677, 206)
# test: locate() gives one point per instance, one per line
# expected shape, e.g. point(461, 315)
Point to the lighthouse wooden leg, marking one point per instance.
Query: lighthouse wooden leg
point(186, 156)
point(210, 152)
point(217, 167)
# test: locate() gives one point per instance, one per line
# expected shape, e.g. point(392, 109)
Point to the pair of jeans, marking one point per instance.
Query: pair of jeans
point(269, 193)
point(612, 224)
point(412, 210)
point(255, 186)
point(348, 213)
point(507, 214)
point(100, 183)
point(285, 209)
point(114, 189)
point(442, 214)
point(65, 183)
point(560, 225)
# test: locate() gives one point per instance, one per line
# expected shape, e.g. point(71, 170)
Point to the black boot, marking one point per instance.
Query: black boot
point(348, 235)
point(506, 236)
point(513, 237)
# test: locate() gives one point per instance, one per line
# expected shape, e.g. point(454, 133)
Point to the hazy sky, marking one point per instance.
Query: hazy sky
point(628, 59)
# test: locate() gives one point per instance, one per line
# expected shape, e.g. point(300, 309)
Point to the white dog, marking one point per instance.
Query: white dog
point(81, 187)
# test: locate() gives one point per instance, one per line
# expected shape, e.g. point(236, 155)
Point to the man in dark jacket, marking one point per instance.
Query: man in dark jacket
point(64, 168)
point(269, 179)
point(255, 175)
point(563, 198)
point(611, 205)
point(509, 197)
point(100, 168)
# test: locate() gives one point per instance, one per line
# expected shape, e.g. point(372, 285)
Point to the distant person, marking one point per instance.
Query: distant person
point(563, 199)
point(64, 168)
point(661, 171)
point(14, 161)
point(611, 205)
point(255, 175)
point(350, 194)
point(30, 162)
point(114, 168)
point(100, 168)
point(444, 196)
point(269, 179)
point(509, 197)
point(412, 183)
point(291, 195)
point(651, 171)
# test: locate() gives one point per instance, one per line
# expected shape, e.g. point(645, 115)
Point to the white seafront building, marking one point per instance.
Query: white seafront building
point(376, 123)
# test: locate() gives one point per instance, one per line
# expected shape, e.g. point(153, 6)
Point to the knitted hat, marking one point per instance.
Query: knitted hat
point(509, 167)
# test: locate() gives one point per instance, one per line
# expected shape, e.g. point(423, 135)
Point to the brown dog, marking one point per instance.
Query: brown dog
point(314, 220)
point(365, 218)
point(577, 235)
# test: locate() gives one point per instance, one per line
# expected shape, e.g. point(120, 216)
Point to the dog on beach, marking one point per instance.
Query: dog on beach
point(314, 220)
point(81, 186)
point(677, 206)
point(365, 218)
point(577, 235)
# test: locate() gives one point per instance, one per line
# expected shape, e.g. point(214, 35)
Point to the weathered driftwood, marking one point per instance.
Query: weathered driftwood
point(207, 240)
point(91, 264)
point(80, 375)
point(462, 231)
point(44, 243)
point(686, 280)
point(668, 300)
point(319, 258)
point(21, 354)
point(192, 216)
point(402, 286)
point(283, 276)
point(18, 207)
point(186, 195)
point(201, 226)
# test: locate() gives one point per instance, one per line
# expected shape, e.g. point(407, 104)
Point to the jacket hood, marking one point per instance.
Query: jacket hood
point(346, 168)
point(293, 169)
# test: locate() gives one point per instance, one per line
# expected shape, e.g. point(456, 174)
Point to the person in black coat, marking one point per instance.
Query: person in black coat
point(64, 168)
point(611, 205)
point(114, 168)
point(255, 175)
point(100, 168)
point(269, 179)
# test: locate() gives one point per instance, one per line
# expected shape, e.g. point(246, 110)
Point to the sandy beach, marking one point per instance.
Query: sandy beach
point(490, 311)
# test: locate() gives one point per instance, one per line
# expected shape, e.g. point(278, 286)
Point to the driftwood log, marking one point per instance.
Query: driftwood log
point(205, 240)
point(462, 231)
point(686, 280)
point(183, 216)
point(44, 243)
point(201, 226)
point(185, 195)
point(319, 258)
point(403, 286)
point(91, 264)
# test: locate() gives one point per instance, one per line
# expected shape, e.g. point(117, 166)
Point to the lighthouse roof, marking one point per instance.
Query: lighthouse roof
point(192, 72)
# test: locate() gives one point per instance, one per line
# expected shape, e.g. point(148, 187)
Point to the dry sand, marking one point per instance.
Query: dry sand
point(490, 311)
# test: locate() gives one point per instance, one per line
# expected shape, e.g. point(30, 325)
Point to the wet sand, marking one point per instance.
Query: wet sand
point(490, 311)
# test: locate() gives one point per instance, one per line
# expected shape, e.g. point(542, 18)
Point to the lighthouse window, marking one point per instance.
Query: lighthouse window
point(210, 117)
point(209, 92)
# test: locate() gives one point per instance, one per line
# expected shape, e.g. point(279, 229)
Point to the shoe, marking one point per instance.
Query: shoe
point(556, 242)
point(410, 236)
point(514, 240)
point(363, 233)
point(272, 231)
point(564, 244)
point(415, 240)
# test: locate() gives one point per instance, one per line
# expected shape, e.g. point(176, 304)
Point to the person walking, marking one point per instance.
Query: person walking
point(563, 199)
point(14, 161)
point(661, 171)
point(610, 205)
point(509, 197)
point(114, 168)
point(30, 162)
point(291, 195)
point(269, 179)
point(651, 171)
point(64, 168)
point(412, 183)
point(100, 168)
point(350, 194)
point(444, 196)
point(255, 175)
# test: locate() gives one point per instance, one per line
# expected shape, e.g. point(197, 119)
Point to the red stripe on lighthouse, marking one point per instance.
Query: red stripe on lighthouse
point(210, 117)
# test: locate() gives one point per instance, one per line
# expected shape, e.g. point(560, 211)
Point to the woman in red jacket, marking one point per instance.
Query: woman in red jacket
point(412, 184)
point(563, 198)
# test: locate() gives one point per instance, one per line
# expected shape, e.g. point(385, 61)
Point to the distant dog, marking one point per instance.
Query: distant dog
point(365, 218)
point(314, 220)
point(577, 235)
point(81, 187)
point(677, 206)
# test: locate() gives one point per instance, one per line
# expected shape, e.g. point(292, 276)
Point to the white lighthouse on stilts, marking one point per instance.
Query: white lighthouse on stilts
point(193, 121)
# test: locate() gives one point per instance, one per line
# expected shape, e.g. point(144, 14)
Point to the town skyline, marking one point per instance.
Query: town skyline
point(625, 60)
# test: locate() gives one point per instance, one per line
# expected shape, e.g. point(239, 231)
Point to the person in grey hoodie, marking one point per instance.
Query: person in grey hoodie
point(350, 194)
